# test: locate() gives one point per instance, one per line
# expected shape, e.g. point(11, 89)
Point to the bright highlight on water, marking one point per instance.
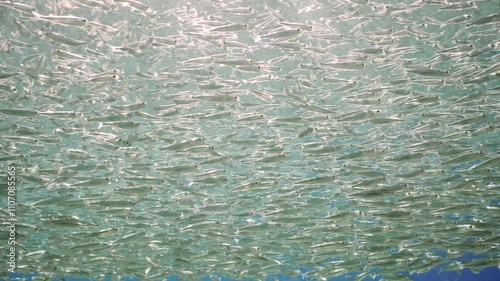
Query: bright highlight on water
point(251, 138)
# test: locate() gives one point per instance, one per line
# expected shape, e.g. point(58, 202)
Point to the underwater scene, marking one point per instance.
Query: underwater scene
point(221, 140)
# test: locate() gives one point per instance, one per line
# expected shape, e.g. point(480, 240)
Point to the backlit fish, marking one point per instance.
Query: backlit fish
point(63, 20)
point(245, 139)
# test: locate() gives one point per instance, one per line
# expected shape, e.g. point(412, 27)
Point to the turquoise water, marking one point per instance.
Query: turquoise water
point(250, 139)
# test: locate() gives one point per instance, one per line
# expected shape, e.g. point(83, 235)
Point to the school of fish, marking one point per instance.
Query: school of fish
point(248, 138)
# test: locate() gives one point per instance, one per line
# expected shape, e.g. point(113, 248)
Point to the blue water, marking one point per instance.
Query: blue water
point(435, 274)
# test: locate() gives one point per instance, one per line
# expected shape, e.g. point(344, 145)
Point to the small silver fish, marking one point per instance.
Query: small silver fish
point(63, 20)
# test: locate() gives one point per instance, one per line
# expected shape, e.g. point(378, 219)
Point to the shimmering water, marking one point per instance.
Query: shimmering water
point(251, 139)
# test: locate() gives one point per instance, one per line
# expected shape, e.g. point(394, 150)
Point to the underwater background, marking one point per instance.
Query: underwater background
point(250, 140)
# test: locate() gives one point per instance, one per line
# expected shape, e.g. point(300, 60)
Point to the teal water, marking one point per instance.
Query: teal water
point(251, 139)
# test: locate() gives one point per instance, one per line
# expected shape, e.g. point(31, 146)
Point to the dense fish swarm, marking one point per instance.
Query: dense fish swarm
point(251, 138)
